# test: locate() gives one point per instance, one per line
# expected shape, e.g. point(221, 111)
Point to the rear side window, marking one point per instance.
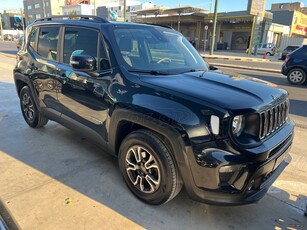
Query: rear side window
point(79, 41)
point(48, 42)
point(32, 38)
point(291, 47)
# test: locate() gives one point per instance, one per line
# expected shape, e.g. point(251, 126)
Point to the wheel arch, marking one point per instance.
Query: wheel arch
point(21, 81)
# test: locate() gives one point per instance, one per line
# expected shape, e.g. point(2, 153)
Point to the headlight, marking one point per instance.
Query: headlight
point(237, 125)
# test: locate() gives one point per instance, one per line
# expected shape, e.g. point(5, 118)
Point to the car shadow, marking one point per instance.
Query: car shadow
point(74, 161)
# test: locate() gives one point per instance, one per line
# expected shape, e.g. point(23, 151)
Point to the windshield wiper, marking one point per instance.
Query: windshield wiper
point(152, 72)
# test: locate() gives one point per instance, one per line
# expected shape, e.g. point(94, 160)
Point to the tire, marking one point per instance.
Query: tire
point(29, 110)
point(148, 168)
point(268, 53)
point(296, 76)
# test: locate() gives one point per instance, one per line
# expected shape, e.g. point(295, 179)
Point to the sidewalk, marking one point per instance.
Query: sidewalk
point(237, 56)
point(241, 57)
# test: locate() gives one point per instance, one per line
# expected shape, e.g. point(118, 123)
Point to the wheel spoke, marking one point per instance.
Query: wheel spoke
point(139, 182)
point(136, 154)
point(151, 181)
point(150, 163)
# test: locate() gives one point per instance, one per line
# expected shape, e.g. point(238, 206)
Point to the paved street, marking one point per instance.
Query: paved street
point(52, 178)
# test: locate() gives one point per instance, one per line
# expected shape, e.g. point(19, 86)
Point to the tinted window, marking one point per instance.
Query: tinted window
point(79, 41)
point(47, 42)
point(291, 47)
point(32, 37)
point(157, 49)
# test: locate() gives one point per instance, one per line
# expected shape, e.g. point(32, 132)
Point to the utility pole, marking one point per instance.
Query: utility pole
point(125, 6)
point(2, 38)
point(251, 40)
point(214, 27)
point(44, 8)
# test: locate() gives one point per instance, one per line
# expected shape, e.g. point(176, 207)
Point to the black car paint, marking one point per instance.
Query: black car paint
point(106, 105)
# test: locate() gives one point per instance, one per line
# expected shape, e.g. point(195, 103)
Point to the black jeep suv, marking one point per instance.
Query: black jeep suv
point(144, 94)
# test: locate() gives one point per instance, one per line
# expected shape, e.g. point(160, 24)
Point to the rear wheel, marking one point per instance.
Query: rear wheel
point(296, 76)
point(148, 168)
point(29, 110)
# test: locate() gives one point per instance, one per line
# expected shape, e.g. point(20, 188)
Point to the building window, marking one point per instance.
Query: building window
point(29, 7)
point(47, 4)
point(281, 6)
point(48, 15)
point(37, 16)
point(36, 5)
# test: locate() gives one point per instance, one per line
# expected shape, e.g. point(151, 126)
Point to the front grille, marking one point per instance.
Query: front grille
point(273, 118)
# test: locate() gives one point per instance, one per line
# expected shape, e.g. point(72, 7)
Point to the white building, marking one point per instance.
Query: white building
point(83, 9)
point(114, 9)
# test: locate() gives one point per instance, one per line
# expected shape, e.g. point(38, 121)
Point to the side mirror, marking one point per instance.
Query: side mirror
point(211, 67)
point(82, 62)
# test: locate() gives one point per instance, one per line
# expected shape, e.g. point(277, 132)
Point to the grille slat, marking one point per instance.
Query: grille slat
point(273, 118)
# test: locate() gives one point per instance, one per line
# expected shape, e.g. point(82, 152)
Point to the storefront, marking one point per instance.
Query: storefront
point(233, 28)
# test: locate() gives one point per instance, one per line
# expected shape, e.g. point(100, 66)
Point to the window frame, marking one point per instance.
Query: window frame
point(100, 42)
point(33, 49)
point(58, 44)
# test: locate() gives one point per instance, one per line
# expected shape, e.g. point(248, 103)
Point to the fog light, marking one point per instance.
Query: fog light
point(229, 173)
point(229, 168)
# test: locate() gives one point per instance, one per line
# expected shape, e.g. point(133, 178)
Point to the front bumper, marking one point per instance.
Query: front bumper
point(251, 178)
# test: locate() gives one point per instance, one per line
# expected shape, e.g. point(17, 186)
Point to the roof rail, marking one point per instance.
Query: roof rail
point(73, 16)
point(153, 24)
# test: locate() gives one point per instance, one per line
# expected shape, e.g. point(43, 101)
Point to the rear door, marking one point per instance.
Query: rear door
point(84, 96)
point(43, 60)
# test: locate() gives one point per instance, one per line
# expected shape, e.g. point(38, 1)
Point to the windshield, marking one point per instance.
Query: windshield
point(158, 50)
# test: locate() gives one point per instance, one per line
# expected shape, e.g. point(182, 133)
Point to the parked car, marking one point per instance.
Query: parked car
point(286, 51)
point(19, 42)
point(143, 93)
point(295, 66)
point(268, 48)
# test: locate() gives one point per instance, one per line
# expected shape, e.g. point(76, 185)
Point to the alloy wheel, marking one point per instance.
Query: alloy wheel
point(27, 107)
point(143, 169)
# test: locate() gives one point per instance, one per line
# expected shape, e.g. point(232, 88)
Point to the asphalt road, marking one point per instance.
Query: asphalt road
point(52, 178)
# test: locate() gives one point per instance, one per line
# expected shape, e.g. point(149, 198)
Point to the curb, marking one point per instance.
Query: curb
point(246, 67)
point(236, 58)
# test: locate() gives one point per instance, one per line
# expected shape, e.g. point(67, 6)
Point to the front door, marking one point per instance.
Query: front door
point(84, 97)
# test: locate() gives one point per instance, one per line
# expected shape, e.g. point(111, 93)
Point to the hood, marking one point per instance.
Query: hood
point(231, 92)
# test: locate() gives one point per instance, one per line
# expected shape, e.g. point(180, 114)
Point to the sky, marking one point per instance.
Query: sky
point(224, 5)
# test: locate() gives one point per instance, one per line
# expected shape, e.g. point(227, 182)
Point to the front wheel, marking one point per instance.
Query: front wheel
point(29, 110)
point(296, 76)
point(148, 168)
